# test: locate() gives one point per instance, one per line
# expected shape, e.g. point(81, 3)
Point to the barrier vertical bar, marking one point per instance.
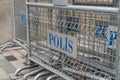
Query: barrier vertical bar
point(12, 19)
point(27, 25)
point(118, 48)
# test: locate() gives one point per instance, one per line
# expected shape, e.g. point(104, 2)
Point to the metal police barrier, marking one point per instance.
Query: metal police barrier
point(20, 19)
point(76, 42)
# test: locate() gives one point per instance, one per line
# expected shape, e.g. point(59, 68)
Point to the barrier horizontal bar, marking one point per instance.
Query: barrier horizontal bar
point(75, 7)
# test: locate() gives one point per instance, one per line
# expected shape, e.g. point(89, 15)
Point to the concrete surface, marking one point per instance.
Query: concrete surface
point(7, 68)
point(5, 26)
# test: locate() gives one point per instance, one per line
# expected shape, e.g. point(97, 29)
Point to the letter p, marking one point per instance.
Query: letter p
point(113, 36)
point(50, 38)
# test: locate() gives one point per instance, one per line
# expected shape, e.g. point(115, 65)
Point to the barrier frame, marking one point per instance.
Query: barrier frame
point(87, 8)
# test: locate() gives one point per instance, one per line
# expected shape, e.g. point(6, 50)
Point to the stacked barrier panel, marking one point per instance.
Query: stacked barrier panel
point(94, 34)
point(20, 21)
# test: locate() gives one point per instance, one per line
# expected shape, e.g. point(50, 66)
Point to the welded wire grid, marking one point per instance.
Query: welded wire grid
point(95, 59)
point(20, 20)
point(5, 21)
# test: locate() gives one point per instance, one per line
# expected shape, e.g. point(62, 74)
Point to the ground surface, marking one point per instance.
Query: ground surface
point(10, 60)
point(5, 26)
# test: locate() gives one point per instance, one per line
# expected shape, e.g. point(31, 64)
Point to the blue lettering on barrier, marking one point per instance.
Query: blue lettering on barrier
point(113, 36)
point(66, 43)
point(61, 43)
point(70, 50)
point(50, 38)
point(101, 31)
point(23, 19)
point(57, 42)
point(109, 33)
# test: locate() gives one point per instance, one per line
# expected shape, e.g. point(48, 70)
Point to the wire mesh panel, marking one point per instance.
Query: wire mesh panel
point(5, 31)
point(20, 19)
point(76, 44)
point(19, 13)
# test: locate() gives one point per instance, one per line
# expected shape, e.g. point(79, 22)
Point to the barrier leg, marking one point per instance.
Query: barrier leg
point(41, 74)
point(32, 73)
point(6, 45)
point(51, 77)
point(16, 76)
